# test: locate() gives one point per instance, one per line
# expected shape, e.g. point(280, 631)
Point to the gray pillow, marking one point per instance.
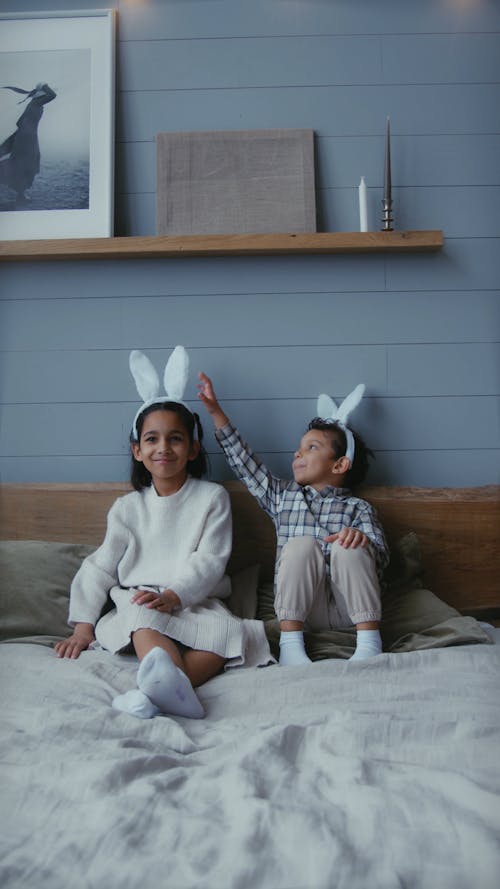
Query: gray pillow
point(35, 577)
point(243, 599)
point(405, 570)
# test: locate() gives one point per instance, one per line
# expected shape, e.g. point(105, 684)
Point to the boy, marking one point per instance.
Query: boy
point(331, 548)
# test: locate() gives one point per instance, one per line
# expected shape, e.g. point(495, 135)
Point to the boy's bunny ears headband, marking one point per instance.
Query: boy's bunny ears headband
point(328, 410)
point(148, 383)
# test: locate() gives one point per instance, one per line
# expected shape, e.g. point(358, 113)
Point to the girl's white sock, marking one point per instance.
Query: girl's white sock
point(368, 644)
point(136, 703)
point(292, 649)
point(167, 686)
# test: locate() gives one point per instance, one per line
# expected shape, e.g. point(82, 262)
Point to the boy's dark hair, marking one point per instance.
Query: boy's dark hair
point(362, 454)
point(140, 477)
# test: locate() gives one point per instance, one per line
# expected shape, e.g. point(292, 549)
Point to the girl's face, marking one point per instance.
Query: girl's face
point(165, 449)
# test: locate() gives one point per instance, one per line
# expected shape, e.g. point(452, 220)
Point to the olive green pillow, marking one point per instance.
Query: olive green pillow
point(35, 577)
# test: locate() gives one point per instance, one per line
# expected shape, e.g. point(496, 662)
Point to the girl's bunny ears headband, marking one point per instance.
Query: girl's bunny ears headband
point(148, 383)
point(328, 410)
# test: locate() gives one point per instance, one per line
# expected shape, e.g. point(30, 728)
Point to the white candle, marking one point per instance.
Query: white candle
point(363, 206)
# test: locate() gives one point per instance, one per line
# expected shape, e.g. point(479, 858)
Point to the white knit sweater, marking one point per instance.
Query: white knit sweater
point(181, 542)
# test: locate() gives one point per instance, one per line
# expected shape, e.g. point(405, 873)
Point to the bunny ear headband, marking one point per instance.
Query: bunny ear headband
point(328, 410)
point(148, 384)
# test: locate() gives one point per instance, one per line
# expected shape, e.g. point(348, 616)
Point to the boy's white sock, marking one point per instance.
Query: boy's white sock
point(136, 703)
point(292, 649)
point(368, 644)
point(167, 686)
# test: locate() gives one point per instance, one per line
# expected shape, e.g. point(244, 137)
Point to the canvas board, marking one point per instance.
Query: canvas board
point(235, 181)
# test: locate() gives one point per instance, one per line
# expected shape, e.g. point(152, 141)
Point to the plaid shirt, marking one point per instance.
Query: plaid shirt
point(300, 510)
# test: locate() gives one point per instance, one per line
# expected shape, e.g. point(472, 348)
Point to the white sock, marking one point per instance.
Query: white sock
point(368, 644)
point(136, 703)
point(292, 649)
point(167, 686)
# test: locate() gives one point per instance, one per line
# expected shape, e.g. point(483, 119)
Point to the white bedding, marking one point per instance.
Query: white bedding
point(370, 775)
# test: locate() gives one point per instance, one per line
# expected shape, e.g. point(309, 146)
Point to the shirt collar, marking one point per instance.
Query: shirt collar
point(328, 491)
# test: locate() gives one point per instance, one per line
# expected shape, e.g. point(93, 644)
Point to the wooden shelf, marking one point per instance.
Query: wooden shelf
point(221, 245)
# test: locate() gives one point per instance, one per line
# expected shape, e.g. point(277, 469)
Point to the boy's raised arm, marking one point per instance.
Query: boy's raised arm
point(207, 396)
point(245, 464)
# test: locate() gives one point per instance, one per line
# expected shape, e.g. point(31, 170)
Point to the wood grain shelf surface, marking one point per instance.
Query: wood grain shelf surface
point(221, 245)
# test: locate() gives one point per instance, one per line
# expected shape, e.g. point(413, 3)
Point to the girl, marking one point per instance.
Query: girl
point(21, 152)
point(162, 563)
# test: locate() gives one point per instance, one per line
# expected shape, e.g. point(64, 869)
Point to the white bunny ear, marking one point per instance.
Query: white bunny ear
point(350, 402)
point(145, 377)
point(327, 409)
point(176, 374)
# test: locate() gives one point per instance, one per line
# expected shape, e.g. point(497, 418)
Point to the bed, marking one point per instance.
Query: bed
point(336, 775)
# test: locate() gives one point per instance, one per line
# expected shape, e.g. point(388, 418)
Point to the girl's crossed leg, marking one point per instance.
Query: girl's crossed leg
point(167, 677)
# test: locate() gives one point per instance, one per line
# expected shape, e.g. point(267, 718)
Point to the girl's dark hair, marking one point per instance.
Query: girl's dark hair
point(362, 454)
point(140, 477)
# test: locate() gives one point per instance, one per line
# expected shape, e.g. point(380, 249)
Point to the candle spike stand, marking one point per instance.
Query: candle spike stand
point(387, 215)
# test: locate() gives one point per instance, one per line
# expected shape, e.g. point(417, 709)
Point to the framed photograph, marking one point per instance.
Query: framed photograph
point(57, 80)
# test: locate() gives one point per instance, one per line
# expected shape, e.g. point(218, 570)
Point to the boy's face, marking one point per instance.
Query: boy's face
point(314, 463)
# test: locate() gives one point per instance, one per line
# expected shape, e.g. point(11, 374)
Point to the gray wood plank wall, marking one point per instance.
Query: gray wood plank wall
point(422, 331)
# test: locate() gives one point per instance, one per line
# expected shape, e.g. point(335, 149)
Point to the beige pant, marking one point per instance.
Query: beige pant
point(304, 593)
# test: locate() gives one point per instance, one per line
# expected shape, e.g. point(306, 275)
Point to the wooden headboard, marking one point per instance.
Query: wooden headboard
point(458, 529)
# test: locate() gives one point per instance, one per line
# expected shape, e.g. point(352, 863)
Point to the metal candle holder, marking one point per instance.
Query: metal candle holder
point(387, 215)
point(387, 199)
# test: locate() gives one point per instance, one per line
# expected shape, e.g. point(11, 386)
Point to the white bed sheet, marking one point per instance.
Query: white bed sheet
point(336, 775)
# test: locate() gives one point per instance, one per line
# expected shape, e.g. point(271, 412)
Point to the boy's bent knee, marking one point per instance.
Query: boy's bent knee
point(299, 555)
point(301, 571)
point(356, 555)
point(300, 547)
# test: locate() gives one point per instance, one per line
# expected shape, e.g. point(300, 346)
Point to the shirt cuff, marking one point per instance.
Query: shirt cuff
point(225, 433)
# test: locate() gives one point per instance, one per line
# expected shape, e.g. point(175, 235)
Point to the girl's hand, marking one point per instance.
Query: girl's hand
point(349, 538)
point(167, 601)
point(79, 641)
point(207, 395)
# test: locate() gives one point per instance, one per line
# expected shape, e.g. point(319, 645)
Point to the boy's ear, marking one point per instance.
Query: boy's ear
point(341, 466)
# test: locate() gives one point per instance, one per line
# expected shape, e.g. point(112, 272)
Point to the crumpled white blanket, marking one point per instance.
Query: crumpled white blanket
point(380, 774)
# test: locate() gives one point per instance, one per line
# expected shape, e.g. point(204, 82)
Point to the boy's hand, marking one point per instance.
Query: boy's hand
point(349, 538)
point(167, 601)
point(79, 641)
point(207, 395)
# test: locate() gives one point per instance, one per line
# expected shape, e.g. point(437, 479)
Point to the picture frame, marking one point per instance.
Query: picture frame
point(57, 85)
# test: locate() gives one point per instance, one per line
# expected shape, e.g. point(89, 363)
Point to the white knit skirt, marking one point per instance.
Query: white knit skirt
point(209, 626)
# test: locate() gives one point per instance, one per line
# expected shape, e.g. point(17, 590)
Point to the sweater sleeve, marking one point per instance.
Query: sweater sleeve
point(98, 573)
point(204, 568)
